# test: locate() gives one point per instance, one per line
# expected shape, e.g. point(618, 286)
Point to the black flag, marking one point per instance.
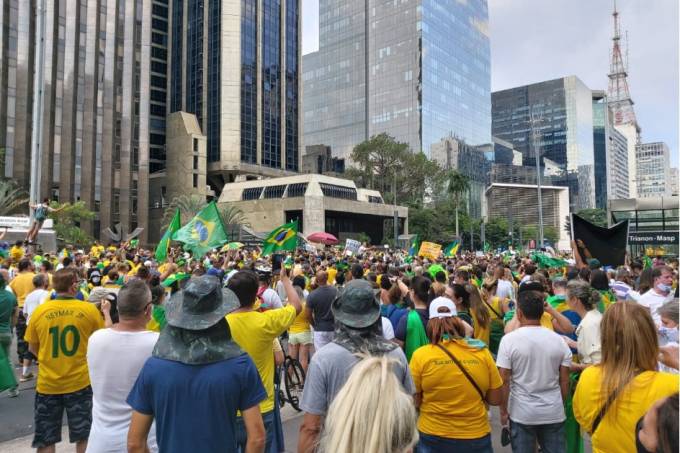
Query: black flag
point(607, 245)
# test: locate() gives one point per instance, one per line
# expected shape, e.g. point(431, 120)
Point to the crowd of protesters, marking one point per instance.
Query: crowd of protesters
point(400, 353)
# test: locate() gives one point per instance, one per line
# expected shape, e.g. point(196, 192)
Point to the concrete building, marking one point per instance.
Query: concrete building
point(518, 203)
point(674, 181)
point(560, 111)
point(653, 224)
point(653, 170)
point(319, 159)
point(454, 154)
point(236, 66)
point(320, 203)
point(416, 70)
point(104, 103)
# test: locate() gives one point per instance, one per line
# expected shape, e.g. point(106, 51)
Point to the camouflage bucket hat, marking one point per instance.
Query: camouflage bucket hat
point(196, 347)
point(201, 304)
point(358, 305)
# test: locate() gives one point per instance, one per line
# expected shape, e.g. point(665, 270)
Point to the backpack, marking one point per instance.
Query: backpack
point(41, 212)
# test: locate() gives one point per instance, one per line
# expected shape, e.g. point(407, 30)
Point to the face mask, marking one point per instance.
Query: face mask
point(670, 335)
point(664, 288)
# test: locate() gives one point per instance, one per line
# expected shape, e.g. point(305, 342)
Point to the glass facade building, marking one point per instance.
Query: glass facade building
point(417, 70)
point(241, 80)
point(104, 82)
point(653, 170)
point(560, 113)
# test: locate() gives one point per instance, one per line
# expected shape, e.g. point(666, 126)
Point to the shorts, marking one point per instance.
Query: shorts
point(22, 346)
point(301, 338)
point(49, 411)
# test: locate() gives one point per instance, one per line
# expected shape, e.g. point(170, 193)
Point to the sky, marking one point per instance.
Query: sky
point(536, 40)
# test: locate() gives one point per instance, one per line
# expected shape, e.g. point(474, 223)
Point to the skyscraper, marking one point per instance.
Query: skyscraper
point(610, 152)
point(653, 170)
point(560, 113)
point(417, 70)
point(104, 102)
point(236, 66)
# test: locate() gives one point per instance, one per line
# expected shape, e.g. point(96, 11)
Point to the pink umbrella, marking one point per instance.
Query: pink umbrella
point(323, 238)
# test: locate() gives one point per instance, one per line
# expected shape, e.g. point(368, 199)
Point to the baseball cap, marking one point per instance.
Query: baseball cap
point(440, 302)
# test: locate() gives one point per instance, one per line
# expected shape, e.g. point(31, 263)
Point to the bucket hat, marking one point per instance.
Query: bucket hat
point(201, 304)
point(357, 306)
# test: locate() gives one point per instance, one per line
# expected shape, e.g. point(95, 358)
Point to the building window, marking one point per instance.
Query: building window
point(195, 145)
point(297, 190)
point(195, 162)
point(333, 191)
point(374, 199)
point(195, 181)
point(274, 191)
point(252, 193)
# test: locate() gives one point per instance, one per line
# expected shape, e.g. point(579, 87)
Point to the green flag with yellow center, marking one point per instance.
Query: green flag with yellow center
point(282, 238)
point(204, 232)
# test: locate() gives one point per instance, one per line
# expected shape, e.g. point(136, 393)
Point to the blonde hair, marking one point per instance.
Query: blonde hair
point(478, 307)
point(629, 346)
point(371, 412)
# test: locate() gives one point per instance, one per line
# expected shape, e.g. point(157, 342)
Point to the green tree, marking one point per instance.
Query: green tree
point(496, 232)
point(13, 198)
point(458, 185)
point(67, 222)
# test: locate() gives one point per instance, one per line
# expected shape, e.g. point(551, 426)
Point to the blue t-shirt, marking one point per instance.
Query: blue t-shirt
point(195, 406)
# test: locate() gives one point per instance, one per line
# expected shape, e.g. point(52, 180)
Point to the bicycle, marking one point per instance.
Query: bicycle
point(294, 379)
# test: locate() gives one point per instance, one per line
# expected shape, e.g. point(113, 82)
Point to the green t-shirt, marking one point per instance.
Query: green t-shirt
point(7, 303)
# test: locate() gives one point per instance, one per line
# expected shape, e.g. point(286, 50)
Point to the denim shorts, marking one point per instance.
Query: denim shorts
point(49, 411)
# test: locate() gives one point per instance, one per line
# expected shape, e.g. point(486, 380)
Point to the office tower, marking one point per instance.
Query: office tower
point(104, 102)
point(555, 116)
point(236, 65)
point(674, 181)
point(417, 70)
point(611, 154)
point(653, 170)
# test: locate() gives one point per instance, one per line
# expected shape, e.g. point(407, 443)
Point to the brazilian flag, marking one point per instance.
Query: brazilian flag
point(415, 246)
point(203, 233)
point(452, 249)
point(282, 238)
point(164, 245)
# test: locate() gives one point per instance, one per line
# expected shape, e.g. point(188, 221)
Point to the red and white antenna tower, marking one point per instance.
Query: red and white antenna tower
point(618, 95)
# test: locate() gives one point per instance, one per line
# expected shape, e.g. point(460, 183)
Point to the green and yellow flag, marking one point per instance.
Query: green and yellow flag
point(452, 249)
point(203, 233)
point(164, 245)
point(282, 238)
point(415, 246)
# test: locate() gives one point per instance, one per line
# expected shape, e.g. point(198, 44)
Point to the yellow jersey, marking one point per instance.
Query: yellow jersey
point(22, 285)
point(61, 328)
point(332, 272)
point(255, 331)
point(301, 323)
point(451, 407)
point(616, 431)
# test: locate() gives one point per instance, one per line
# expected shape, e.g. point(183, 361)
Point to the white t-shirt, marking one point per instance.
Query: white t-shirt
point(271, 299)
point(653, 300)
point(588, 341)
point(114, 360)
point(34, 298)
point(534, 355)
point(505, 290)
point(387, 329)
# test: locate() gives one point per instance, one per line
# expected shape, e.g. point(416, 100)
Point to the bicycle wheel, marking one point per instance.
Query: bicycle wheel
point(294, 376)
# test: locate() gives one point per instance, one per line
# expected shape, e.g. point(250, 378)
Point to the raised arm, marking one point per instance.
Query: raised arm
point(291, 294)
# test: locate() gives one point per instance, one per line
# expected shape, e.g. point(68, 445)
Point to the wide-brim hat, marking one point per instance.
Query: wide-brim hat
point(196, 347)
point(201, 304)
point(358, 305)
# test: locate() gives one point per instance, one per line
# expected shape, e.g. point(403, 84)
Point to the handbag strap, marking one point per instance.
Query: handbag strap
point(465, 372)
point(607, 404)
point(492, 309)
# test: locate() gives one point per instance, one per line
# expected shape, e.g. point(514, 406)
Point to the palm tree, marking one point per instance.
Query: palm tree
point(458, 185)
point(188, 206)
point(12, 197)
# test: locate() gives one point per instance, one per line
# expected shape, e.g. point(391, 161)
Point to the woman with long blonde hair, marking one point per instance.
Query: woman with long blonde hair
point(611, 397)
point(371, 412)
point(480, 314)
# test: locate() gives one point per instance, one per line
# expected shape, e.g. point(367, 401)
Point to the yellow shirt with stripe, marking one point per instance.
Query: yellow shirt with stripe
point(616, 432)
point(255, 331)
point(451, 407)
point(62, 328)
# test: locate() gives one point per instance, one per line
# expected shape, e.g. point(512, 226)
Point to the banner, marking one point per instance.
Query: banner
point(607, 245)
point(352, 247)
point(430, 250)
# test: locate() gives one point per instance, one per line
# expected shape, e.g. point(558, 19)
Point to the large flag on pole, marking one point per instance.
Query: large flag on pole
point(164, 245)
point(203, 232)
point(607, 245)
point(452, 249)
point(284, 237)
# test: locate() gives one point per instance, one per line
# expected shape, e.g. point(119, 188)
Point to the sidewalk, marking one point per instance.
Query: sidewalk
point(289, 416)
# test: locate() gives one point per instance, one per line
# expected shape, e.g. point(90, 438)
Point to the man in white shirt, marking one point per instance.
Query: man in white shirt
point(270, 298)
point(114, 358)
point(661, 293)
point(534, 364)
point(40, 282)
